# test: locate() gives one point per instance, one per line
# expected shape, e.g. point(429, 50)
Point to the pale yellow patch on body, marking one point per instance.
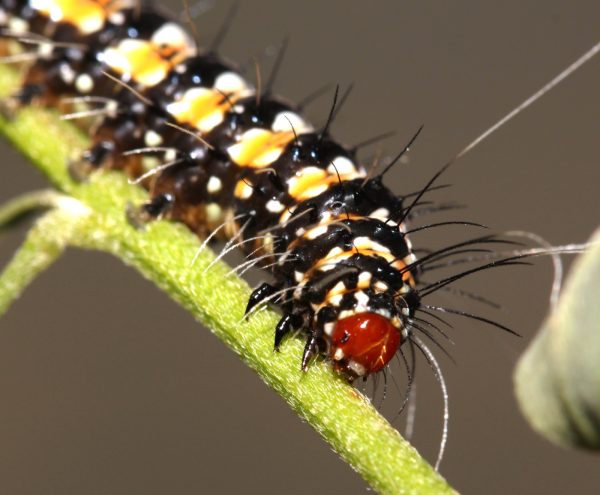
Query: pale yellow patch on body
point(259, 148)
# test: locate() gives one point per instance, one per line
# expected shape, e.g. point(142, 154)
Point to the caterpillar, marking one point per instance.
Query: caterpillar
point(244, 161)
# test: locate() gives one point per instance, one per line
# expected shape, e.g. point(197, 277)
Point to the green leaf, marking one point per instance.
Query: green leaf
point(557, 380)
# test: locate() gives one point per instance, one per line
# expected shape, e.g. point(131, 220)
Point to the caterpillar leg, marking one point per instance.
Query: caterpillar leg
point(47, 81)
point(310, 351)
point(90, 160)
point(23, 97)
point(114, 137)
point(158, 206)
point(288, 323)
point(259, 294)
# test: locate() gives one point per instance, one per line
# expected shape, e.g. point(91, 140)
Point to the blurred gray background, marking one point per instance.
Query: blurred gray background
point(107, 386)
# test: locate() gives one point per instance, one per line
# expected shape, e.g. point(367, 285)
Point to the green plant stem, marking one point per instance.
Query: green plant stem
point(163, 252)
point(26, 203)
point(45, 242)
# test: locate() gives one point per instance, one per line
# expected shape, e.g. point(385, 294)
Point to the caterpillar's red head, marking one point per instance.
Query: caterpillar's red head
point(363, 343)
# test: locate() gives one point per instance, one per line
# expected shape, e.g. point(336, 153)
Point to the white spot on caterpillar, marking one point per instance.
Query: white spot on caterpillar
point(298, 276)
point(364, 242)
point(268, 243)
point(67, 74)
point(45, 49)
point(111, 108)
point(214, 185)
point(409, 259)
point(384, 312)
point(328, 328)
point(339, 354)
point(152, 138)
point(171, 34)
point(364, 277)
point(348, 312)
point(326, 266)
point(403, 290)
point(285, 216)
point(380, 214)
point(40, 4)
point(230, 82)
point(56, 13)
point(285, 121)
point(358, 368)
point(312, 234)
point(341, 165)
point(170, 155)
point(337, 288)
point(150, 162)
point(84, 83)
point(275, 206)
point(334, 252)
point(214, 213)
point(335, 300)
point(380, 286)
point(361, 298)
point(117, 18)
point(18, 26)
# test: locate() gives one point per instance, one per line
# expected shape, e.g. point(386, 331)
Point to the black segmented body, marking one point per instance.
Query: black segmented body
point(249, 166)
